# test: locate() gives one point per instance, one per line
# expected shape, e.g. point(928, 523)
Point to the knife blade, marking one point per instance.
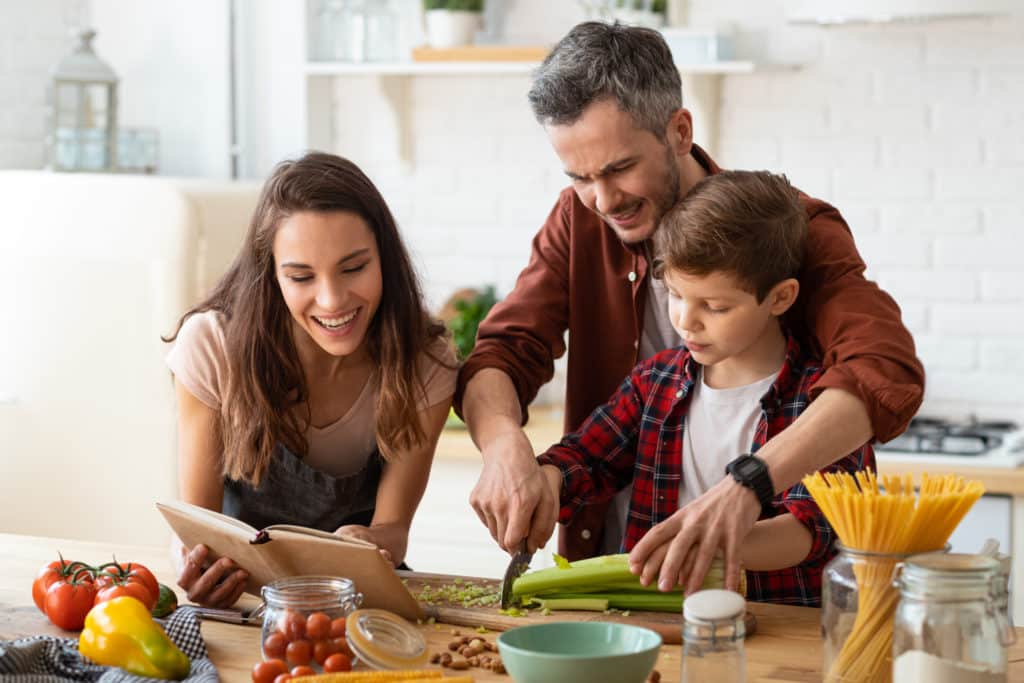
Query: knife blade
point(517, 566)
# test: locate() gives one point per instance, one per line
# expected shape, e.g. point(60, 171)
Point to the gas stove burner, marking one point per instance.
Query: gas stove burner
point(946, 437)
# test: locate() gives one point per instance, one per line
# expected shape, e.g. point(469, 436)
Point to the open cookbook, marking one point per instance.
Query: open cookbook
point(282, 550)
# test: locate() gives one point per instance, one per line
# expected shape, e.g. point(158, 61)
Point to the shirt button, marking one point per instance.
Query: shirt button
point(632, 276)
point(585, 534)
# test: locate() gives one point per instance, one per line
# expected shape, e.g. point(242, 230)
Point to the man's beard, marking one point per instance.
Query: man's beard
point(670, 196)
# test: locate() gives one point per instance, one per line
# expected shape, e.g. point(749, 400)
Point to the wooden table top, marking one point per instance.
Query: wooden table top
point(786, 646)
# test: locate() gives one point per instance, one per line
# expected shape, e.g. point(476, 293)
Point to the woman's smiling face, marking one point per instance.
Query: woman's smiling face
point(328, 269)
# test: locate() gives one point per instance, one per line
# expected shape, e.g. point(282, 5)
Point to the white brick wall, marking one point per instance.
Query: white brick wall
point(916, 132)
point(924, 149)
point(33, 37)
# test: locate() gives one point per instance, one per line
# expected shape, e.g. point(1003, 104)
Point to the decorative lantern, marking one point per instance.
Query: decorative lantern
point(83, 110)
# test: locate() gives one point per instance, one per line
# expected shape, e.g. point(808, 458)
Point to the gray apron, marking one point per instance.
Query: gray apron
point(292, 492)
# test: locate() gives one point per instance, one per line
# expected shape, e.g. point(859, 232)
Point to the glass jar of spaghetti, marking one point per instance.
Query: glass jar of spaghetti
point(950, 625)
point(858, 601)
point(304, 623)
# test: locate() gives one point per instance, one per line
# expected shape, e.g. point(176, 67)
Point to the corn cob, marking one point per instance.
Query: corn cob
point(412, 676)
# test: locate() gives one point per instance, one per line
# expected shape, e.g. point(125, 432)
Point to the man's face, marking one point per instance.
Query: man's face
point(623, 173)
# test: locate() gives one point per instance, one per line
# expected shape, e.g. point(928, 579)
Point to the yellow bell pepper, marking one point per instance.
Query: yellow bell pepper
point(121, 632)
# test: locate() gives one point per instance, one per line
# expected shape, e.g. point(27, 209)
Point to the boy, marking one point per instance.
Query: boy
point(728, 254)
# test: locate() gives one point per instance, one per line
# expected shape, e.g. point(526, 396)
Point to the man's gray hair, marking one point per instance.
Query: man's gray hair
point(597, 61)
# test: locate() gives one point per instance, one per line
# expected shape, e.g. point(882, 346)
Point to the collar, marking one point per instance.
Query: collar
point(787, 379)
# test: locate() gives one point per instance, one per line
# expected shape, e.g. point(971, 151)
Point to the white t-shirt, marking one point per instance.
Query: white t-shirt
point(720, 426)
point(199, 361)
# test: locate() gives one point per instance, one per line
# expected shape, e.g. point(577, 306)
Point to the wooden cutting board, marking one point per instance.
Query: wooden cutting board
point(668, 625)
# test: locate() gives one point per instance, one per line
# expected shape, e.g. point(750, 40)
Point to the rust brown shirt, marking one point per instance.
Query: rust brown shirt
point(582, 279)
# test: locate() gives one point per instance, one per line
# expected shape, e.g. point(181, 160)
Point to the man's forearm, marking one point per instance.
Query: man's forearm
point(491, 407)
point(835, 424)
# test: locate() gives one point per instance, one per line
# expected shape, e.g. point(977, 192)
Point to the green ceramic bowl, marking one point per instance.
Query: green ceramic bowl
point(564, 651)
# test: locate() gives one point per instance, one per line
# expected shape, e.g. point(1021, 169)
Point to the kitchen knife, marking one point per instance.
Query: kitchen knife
point(516, 567)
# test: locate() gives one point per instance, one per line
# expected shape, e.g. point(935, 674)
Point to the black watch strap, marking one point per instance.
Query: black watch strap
point(752, 472)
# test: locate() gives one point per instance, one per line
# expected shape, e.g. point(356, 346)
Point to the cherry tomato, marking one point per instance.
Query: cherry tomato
point(341, 645)
point(318, 626)
point(337, 627)
point(266, 672)
point(67, 603)
point(322, 649)
point(274, 645)
point(338, 662)
point(303, 671)
point(283, 678)
point(292, 625)
point(299, 652)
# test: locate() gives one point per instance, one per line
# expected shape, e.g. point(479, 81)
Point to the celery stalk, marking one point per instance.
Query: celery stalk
point(581, 603)
point(605, 578)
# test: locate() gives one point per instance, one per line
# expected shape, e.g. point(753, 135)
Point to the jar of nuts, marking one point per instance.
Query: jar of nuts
point(304, 622)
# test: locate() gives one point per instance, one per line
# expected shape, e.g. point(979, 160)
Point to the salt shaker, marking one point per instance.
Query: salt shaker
point(713, 634)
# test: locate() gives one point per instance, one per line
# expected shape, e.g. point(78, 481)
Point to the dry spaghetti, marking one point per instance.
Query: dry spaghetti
point(888, 519)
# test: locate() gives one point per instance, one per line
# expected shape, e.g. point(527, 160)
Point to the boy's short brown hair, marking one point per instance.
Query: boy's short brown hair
point(747, 223)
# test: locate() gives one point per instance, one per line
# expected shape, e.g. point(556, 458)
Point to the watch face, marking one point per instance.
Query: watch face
point(748, 467)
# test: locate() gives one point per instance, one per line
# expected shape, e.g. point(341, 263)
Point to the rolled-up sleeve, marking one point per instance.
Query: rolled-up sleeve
point(866, 349)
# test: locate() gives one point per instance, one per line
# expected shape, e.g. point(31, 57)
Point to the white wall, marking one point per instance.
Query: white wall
point(172, 58)
point(915, 132)
point(34, 36)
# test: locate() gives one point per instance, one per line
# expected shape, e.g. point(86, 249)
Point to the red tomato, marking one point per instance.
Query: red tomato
point(338, 662)
point(266, 672)
point(318, 626)
point(67, 603)
point(322, 649)
point(292, 625)
point(303, 671)
point(341, 645)
point(132, 570)
point(283, 678)
point(130, 588)
point(274, 645)
point(50, 574)
point(338, 627)
point(299, 652)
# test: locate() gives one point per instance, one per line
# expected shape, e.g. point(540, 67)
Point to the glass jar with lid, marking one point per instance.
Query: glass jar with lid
point(304, 620)
point(949, 624)
point(713, 636)
point(858, 601)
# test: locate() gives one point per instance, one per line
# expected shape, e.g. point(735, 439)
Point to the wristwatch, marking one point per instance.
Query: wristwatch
point(752, 472)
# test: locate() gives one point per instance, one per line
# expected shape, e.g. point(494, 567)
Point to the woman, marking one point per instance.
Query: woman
point(312, 385)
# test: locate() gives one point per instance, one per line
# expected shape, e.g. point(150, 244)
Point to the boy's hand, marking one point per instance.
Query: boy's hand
point(679, 550)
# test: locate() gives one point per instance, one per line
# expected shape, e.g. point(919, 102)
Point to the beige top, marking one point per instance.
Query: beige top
point(199, 361)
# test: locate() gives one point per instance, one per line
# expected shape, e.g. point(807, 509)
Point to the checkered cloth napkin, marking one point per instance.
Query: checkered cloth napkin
point(48, 659)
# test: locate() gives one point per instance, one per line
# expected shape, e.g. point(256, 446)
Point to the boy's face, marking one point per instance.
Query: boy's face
point(621, 172)
point(719, 320)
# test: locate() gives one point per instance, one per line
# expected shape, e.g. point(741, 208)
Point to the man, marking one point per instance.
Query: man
point(610, 100)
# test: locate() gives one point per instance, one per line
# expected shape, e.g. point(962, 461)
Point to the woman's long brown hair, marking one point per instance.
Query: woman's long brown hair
point(266, 399)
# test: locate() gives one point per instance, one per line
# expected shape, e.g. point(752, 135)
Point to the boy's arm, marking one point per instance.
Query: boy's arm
point(597, 460)
point(777, 543)
point(797, 501)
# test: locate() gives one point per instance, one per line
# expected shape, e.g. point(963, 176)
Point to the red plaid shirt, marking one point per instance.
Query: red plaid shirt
point(637, 436)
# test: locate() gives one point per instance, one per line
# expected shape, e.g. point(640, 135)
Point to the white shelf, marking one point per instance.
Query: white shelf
point(470, 68)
